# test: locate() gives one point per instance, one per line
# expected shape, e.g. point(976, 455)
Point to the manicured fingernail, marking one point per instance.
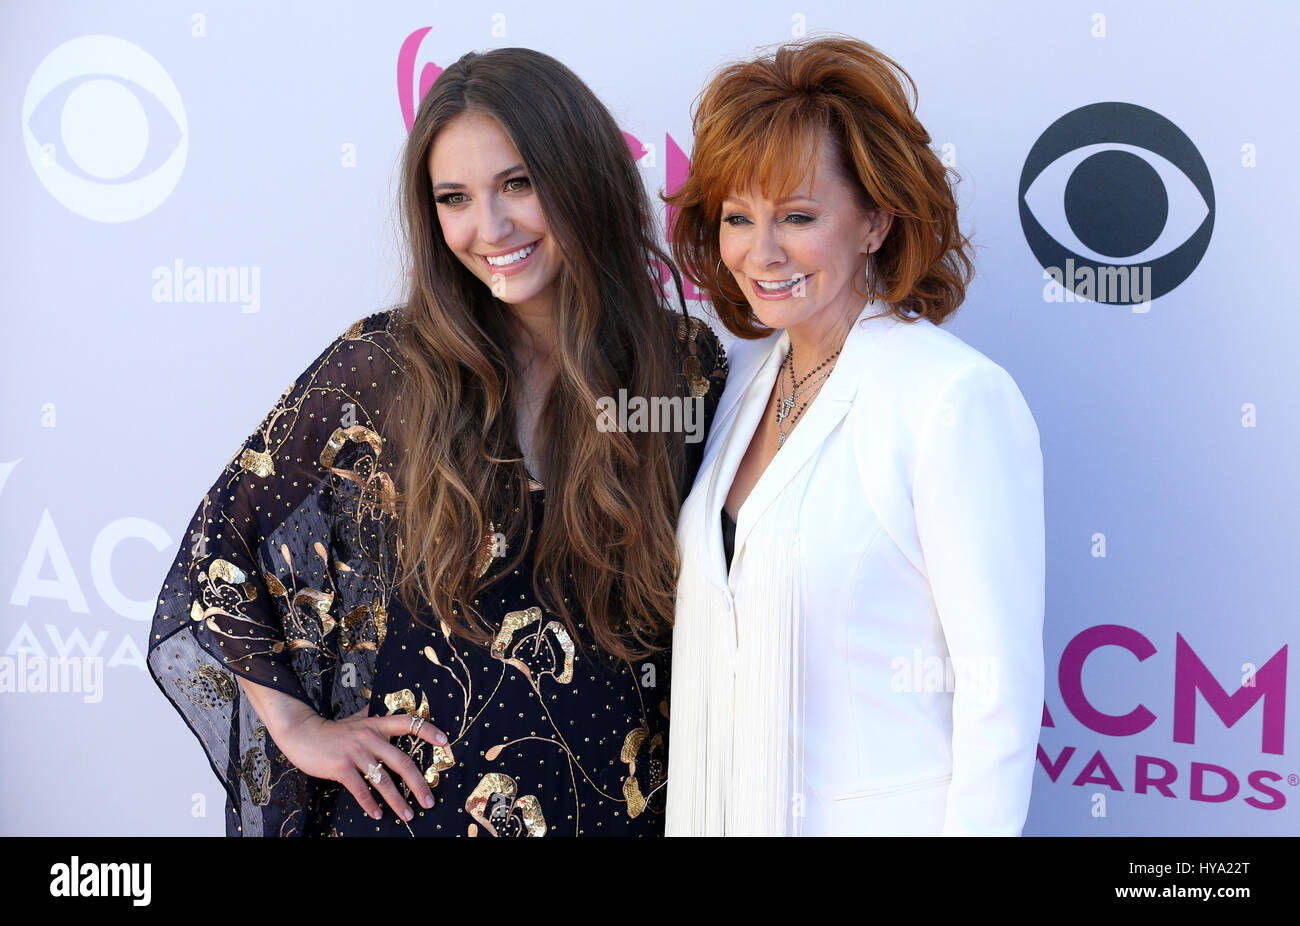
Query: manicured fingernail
point(441, 738)
point(376, 814)
point(407, 814)
point(427, 801)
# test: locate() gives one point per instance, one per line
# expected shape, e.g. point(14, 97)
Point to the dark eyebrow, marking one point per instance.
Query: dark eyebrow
point(460, 186)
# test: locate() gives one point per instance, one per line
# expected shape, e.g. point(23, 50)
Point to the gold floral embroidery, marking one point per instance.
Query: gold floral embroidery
point(321, 602)
point(487, 551)
point(514, 621)
point(210, 688)
point(443, 759)
point(637, 800)
point(229, 572)
point(404, 702)
point(380, 614)
point(256, 770)
point(348, 626)
point(694, 377)
point(494, 804)
point(378, 491)
point(225, 590)
point(257, 462)
point(535, 661)
point(698, 384)
point(341, 436)
point(353, 624)
point(631, 744)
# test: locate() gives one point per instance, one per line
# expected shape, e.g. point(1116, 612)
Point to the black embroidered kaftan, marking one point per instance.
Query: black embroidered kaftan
point(287, 575)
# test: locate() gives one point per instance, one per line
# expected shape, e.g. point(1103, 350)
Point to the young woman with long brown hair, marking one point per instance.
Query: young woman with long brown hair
point(430, 570)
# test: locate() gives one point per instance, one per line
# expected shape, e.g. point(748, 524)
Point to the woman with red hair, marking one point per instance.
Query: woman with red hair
point(858, 636)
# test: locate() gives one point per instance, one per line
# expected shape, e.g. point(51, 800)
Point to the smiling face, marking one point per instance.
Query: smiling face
point(489, 212)
point(799, 258)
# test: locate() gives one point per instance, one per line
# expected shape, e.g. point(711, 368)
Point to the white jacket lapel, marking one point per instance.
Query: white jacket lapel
point(828, 409)
point(728, 437)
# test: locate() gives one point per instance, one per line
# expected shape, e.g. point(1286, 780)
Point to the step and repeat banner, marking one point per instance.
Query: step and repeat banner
point(199, 197)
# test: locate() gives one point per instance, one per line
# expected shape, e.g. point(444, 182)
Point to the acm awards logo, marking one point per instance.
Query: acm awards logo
point(407, 97)
point(1117, 205)
point(1196, 691)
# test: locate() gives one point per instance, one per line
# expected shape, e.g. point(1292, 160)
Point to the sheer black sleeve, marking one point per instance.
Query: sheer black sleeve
point(704, 367)
point(282, 576)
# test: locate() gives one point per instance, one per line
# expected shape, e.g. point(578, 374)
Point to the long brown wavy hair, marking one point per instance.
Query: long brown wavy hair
point(763, 120)
point(608, 538)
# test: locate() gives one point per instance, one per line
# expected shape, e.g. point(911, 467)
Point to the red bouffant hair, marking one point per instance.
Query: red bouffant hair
point(763, 121)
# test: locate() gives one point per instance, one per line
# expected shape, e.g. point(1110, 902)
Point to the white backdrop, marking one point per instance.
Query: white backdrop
point(151, 143)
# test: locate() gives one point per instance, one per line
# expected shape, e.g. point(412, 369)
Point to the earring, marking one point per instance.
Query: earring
point(717, 276)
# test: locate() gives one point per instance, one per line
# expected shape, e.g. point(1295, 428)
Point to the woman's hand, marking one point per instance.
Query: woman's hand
point(340, 750)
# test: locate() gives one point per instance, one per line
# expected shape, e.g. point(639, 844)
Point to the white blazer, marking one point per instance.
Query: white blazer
point(873, 663)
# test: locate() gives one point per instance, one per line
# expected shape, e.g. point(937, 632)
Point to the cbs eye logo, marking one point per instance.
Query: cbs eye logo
point(1117, 205)
point(105, 129)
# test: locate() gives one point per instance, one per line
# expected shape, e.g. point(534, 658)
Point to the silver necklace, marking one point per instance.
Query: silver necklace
point(785, 404)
